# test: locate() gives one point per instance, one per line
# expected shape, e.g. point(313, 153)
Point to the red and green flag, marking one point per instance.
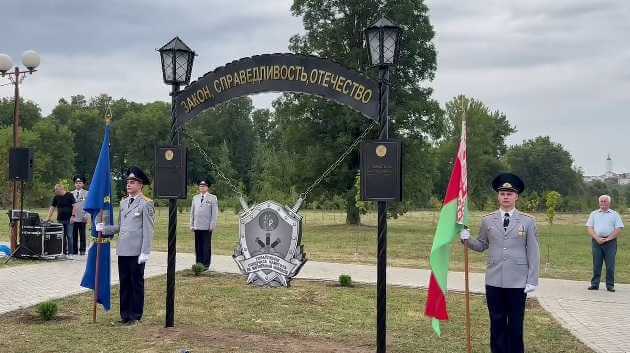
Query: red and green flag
point(452, 219)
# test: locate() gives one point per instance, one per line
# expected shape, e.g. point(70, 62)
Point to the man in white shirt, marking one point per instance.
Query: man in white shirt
point(604, 226)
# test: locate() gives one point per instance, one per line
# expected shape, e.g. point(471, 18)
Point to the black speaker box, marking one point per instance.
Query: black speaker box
point(20, 164)
point(170, 172)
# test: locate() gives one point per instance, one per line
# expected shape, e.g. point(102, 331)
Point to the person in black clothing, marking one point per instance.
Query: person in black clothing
point(63, 202)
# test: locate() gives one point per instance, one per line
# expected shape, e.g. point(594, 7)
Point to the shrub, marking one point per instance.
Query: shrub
point(198, 268)
point(47, 310)
point(345, 280)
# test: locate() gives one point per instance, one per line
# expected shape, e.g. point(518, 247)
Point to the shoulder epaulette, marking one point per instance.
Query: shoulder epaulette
point(146, 198)
point(488, 214)
point(528, 215)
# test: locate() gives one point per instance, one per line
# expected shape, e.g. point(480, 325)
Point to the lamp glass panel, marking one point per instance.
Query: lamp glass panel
point(373, 43)
point(167, 63)
point(181, 65)
point(389, 45)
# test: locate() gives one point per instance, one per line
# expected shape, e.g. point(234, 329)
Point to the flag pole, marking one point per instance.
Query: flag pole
point(108, 120)
point(468, 342)
point(463, 196)
point(96, 275)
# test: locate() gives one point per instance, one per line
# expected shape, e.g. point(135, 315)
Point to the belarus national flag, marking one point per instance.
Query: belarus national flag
point(452, 220)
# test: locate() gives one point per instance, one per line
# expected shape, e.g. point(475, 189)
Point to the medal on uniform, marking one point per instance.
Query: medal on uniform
point(521, 231)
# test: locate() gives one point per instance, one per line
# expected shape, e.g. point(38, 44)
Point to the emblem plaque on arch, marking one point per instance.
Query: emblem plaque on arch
point(270, 250)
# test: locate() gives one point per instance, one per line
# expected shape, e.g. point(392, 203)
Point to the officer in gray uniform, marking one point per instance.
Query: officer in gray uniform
point(79, 216)
point(203, 219)
point(134, 246)
point(511, 238)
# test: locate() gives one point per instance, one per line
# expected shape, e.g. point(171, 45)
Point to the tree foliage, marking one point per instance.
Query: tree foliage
point(318, 131)
point(487, 132)
point(544, 165)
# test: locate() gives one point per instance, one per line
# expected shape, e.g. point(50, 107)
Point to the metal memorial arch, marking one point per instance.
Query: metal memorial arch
point(278, 73)
point(269, 250)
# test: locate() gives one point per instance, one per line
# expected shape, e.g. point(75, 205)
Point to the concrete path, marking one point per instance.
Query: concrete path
point(598, 318)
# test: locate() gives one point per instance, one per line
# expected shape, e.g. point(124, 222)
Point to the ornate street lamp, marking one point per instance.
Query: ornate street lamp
point(177, 61)
point(382, 38)
point(30, 60)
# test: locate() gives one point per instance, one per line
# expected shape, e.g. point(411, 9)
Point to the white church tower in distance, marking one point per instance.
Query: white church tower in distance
point(609, 165)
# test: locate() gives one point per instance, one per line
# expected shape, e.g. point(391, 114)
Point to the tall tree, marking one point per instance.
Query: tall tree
point(30, 113)
point(544, 166)
point(318, 131)
point(487, 132)
point(229, 123)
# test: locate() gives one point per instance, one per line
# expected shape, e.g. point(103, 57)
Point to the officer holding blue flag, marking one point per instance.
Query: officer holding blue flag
point(134, 246)
point(98, 204)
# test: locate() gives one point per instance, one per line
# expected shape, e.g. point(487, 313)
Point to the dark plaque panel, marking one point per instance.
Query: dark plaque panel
point(170, 172)
point(381, 177)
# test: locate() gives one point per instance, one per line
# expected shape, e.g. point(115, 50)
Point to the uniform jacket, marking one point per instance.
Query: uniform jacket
point(79, 215)
point(135, 227)
point(513, 255)
point(203, 215)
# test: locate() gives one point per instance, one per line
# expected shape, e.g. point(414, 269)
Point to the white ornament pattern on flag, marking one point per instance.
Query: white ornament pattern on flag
point(463, 180)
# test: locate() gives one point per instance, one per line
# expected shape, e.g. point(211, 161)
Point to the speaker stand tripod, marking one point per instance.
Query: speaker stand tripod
point(21, 247)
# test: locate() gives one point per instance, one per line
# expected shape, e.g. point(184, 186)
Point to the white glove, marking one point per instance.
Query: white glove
point(464, 234)
point(529, 288)
point(99, 227)
point(143, 258)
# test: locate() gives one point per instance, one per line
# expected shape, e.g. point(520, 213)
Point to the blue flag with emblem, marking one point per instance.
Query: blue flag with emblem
point(99, 200)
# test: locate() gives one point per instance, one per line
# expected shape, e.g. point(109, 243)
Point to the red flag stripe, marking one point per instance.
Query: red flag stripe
point(436, 307)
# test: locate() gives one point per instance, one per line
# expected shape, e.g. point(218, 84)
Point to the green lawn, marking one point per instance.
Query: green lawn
point(565, 246)
point(220, 313)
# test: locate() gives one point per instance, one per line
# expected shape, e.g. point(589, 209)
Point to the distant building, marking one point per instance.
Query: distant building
point(609, 176)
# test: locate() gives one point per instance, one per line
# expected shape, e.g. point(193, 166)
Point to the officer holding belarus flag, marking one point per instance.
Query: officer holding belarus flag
point(511, 238)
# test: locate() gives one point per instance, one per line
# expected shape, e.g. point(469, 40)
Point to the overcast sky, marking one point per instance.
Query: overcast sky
point(559, 68)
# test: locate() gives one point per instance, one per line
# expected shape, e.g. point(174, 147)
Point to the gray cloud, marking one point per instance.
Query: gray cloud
point(557, 68)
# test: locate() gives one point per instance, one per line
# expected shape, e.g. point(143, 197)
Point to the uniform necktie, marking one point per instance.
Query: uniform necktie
point(201, 198)
point(506, 221)
point(130, 201)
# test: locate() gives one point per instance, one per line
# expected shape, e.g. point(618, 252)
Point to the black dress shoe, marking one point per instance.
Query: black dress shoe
point(131, 323)
point(610, 289)
point(593, 288)
point(122, 321)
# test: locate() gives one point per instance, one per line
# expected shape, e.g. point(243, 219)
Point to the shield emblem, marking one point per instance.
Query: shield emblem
point(269, 249)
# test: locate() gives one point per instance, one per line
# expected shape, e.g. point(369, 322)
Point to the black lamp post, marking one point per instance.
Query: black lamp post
point(30, 59)
point(177, 61)
point(382, 38)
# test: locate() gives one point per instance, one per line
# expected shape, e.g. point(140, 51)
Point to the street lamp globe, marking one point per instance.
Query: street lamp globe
point(383, 37)
point(5, 63)
point(177, 61)
point(30, 59)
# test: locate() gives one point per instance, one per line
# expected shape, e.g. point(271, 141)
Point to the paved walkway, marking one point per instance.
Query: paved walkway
point(599, 319)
